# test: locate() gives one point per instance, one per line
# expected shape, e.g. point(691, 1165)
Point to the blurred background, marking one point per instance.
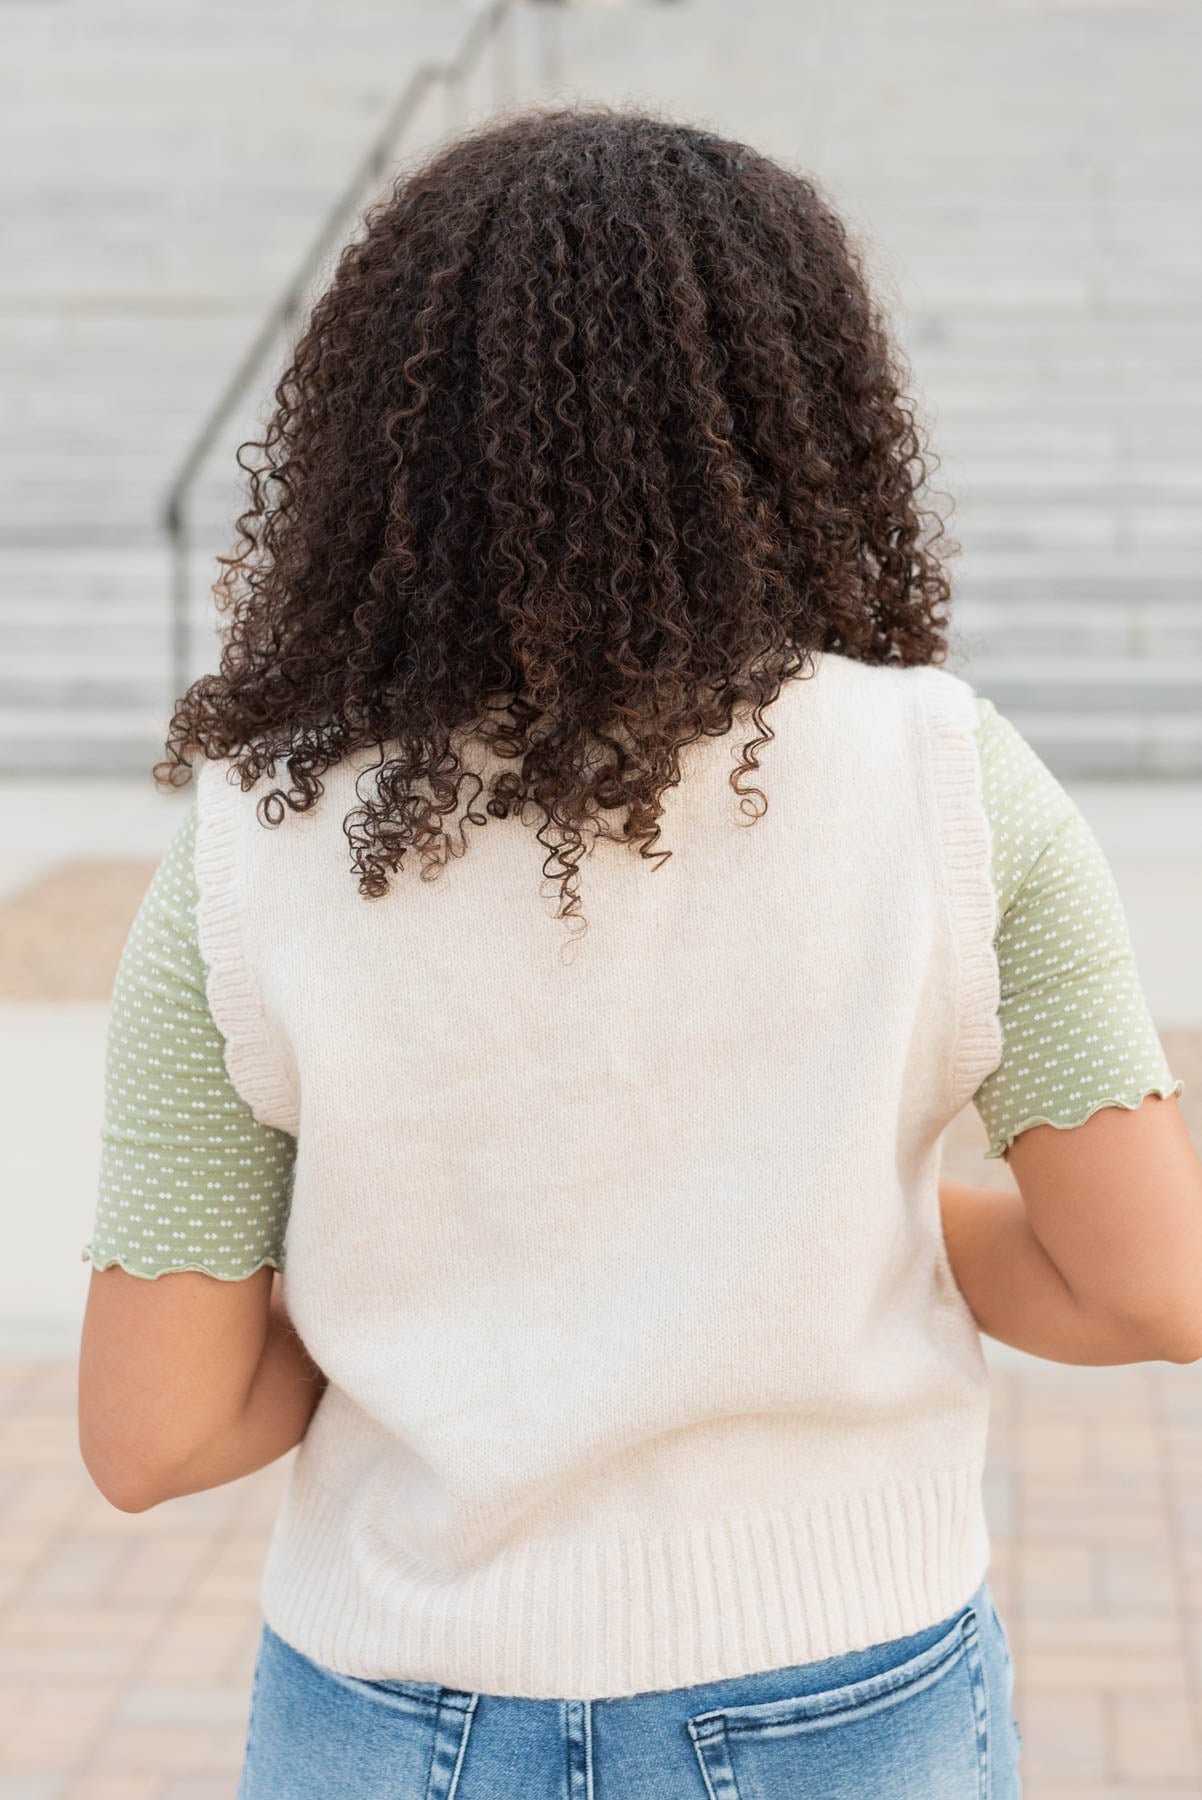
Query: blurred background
point(1025, 177)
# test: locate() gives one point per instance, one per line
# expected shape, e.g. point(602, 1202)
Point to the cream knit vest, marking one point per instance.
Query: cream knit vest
point(646, 1363)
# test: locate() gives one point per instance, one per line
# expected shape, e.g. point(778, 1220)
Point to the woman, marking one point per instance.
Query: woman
point(631, 1343)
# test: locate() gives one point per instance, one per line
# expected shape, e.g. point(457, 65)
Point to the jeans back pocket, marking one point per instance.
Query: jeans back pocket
point(919, 1731)
point(315, 1732)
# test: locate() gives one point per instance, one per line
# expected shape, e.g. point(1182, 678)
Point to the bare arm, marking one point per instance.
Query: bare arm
point(1098, 1256)
point(187, 1382)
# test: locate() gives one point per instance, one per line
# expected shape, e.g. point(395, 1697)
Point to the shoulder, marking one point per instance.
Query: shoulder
point(1028, 808)
point(918, 698)
point(1008, 759)
point(160, 956)
point(226, 798)
point(171, 894)
point(918, 688)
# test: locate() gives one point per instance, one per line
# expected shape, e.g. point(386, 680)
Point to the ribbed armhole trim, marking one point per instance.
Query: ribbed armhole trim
point(966, 843)
point(231, 984)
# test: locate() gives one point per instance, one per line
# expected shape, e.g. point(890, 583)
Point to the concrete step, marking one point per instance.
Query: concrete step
point(1069, 685)
point(1119, 580)
point(1065, 524)
point(1104, 744)
point(1038, 482)
point(131, 640)
point(165, 197)
point(1032, 629)
point(976, 395)
point(1030, 243)
point(129, 740)
point(104, 739)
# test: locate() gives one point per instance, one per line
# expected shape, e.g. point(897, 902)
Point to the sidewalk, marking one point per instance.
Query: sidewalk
point(127, 1642)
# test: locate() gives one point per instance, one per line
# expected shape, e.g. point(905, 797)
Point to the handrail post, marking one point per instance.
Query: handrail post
point(504, 71)
point(452, 101)
point(549, 32)
point(181, 632)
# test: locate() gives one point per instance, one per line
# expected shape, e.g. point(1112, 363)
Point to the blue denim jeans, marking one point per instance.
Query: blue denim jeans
point(925, 1717)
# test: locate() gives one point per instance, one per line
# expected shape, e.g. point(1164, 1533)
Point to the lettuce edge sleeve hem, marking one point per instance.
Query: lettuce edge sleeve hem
point(1165, 1090)
point(108, 1262)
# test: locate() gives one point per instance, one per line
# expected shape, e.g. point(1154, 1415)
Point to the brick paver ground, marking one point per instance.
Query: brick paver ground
point(61, 937)
point(127, 1641)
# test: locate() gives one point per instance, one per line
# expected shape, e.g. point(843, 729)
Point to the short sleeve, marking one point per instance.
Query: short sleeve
point(189, 1179)
point(1077, 1033)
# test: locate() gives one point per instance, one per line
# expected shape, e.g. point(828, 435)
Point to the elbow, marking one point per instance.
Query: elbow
point(128, 1491)
point(125, 1481)
point(1170, 1334)
point(131, 1499)
point(1186, 1347)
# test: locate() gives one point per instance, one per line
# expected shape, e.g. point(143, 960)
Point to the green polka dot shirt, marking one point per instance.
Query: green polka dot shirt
point(189, 1179)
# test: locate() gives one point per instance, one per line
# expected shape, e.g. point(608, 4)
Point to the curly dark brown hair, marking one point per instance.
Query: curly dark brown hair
point(596, 435)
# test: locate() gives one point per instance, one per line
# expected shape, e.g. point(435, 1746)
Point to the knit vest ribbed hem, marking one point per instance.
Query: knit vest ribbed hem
point(619, 1616)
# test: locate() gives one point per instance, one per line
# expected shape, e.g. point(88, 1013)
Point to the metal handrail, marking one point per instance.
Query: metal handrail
point(482, 33)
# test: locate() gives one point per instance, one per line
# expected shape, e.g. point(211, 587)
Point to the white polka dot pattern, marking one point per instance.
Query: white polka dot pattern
point(1077, 1034)
point(189, 1178)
